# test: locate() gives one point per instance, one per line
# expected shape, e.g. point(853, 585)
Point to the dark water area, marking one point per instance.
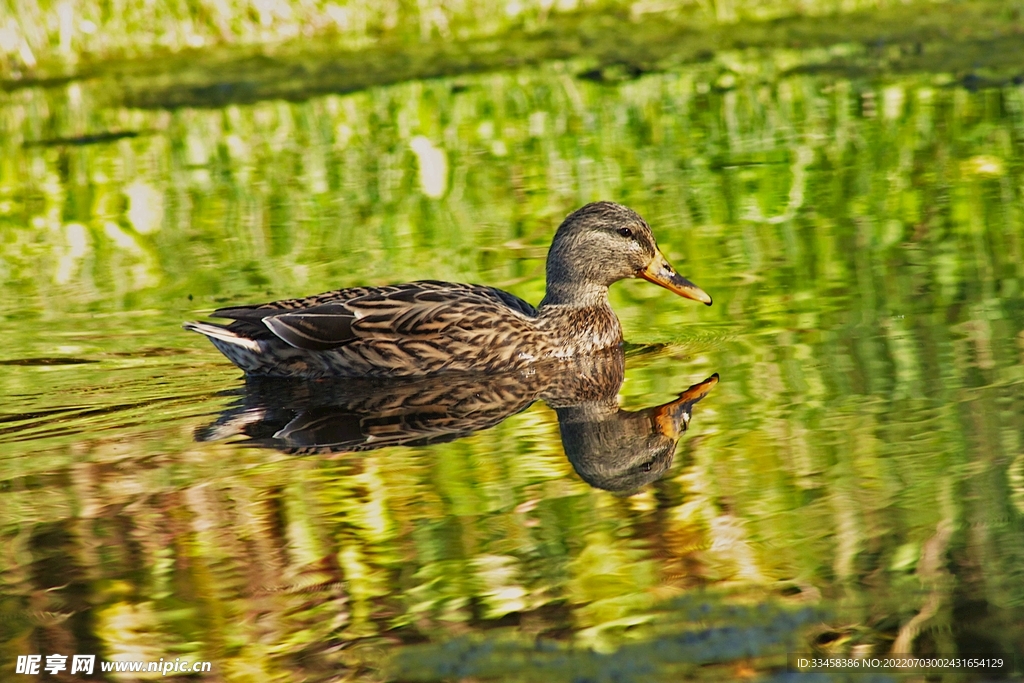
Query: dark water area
point(828, 460)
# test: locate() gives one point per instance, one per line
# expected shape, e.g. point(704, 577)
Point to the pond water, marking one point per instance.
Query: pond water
point(852, 482)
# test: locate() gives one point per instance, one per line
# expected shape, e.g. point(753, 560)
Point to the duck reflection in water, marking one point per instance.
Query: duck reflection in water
point(610, 448)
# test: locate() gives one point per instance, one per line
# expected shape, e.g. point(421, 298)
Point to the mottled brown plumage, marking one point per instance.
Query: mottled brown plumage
point(429, 327)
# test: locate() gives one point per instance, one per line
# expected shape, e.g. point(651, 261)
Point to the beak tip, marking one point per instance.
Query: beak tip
point(661, 273)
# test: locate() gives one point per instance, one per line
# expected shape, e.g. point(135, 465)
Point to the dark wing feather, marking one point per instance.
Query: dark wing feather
point(247, 313)
point(317, 329)
point(514, 302)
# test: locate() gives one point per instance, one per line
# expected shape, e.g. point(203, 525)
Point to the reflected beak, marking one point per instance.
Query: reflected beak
point(673, 418)
point(661, 272)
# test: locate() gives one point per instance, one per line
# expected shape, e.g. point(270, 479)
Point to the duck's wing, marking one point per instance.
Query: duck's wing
point(333, 319)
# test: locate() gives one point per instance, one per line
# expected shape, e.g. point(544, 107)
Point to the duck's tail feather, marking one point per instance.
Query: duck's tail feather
point(222, 334)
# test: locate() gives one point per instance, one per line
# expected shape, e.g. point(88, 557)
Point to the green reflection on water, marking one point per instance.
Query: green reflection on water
point(863, 245)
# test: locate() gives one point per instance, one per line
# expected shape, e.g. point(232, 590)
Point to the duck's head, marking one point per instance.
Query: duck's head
point(603, 243)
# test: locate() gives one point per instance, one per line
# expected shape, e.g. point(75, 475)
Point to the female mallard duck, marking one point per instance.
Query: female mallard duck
point(428, 327)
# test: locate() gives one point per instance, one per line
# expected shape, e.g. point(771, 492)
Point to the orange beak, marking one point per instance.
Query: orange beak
point(661, 272)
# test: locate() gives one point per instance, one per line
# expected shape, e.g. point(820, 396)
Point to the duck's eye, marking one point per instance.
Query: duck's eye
point(626, 232)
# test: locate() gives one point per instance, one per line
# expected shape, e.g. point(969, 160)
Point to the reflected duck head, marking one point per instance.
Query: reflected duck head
point(602, 243)
point(622, 454)
point(622, 451)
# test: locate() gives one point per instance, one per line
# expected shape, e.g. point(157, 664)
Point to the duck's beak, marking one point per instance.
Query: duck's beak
point(661, 272)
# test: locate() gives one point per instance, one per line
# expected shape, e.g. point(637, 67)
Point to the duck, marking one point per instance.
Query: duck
point(429, 327)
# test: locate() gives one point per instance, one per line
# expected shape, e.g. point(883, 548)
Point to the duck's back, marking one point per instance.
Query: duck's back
point(406, 292)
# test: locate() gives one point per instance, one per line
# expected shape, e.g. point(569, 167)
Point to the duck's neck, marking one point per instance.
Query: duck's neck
point(579, 324)
point(575, 294)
